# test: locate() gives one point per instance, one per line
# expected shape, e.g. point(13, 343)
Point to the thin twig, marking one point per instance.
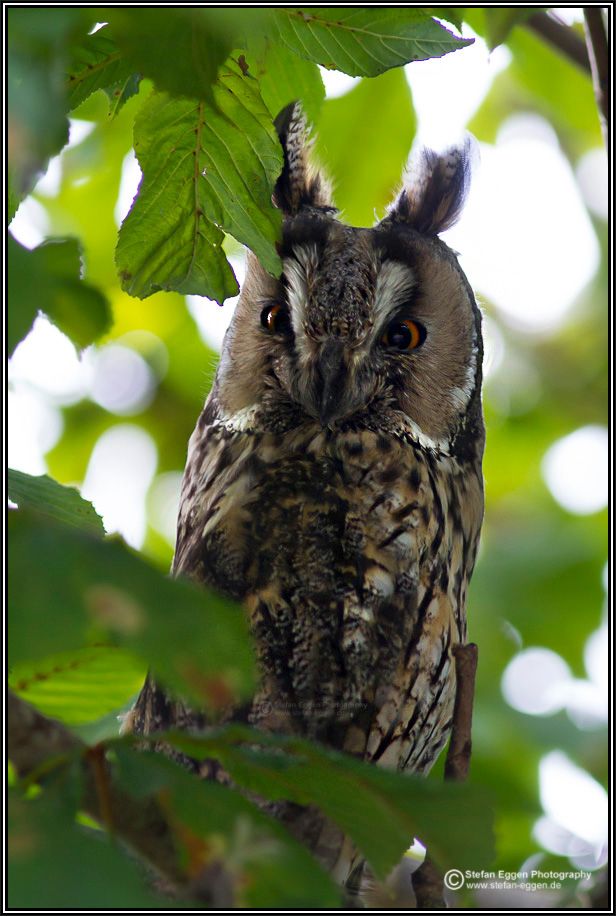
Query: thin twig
point(95, 756)
point(560, 36)
point(427, 880)
point(600, 63)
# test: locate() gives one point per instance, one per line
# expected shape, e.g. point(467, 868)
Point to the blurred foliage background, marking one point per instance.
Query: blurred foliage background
point(115, 419)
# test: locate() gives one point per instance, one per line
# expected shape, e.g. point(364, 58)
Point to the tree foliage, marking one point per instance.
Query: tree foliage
point(194, 92)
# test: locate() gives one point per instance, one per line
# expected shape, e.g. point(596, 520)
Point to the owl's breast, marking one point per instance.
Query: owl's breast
point(349, 510)
point(348, 552)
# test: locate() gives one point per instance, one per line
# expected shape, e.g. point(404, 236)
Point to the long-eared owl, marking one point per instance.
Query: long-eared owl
point(333, 481)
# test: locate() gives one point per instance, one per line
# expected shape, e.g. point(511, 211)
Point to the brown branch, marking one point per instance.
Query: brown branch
point(33, 739)
point(560, 36)
point(459, 752)
point(600, 63)
point(428, 886)
point(427, 880)
point(34, 742)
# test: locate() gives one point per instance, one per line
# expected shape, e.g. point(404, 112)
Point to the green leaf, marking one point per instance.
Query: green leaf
point(243, 159)
point(284, 77)
point(180, 49)
point(380, 810)
point(22, 294)
point(86, 590)
point(12, 197)
point(358, 120)
point(51, 498)
point(205, 168)
point(266, 866)
point(37, 123)
point(119, 93)
point(80, 686)
point(48, 279)
point(166, 242)
point(364, 41)
point(96, 63)
point(55, 863)
point(499, 21)
point(91, 174)
point(453, 14)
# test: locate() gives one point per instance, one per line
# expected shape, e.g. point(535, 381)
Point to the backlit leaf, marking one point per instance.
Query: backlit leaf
point(359, 120)
point(501, 20)
point(119, 93)
point(364, 41)
point(284, 77)
point(94, 590)
point(205, 168)
point(49, 278)
point(51, 498)
point(79, 686)
point(96, 64)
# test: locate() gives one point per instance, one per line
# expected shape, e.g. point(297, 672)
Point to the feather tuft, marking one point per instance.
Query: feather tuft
point(435, 188)
point(299, 185)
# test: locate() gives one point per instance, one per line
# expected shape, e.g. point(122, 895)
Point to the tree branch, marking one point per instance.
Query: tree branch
point(459, 752)
point(34, 741)
point(560, 36)
point(428, 886)
point(427, 880)
point(599, 55)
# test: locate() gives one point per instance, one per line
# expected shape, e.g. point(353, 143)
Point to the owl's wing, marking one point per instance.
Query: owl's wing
point(436, 510)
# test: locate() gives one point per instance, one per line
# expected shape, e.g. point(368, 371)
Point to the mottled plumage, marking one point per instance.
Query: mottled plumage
point(333, 481)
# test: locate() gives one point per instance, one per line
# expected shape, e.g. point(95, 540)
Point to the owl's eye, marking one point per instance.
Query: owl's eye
point(404, 334)
point(274, 318)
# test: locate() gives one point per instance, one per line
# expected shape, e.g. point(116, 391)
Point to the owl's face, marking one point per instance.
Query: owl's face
point(365, 327)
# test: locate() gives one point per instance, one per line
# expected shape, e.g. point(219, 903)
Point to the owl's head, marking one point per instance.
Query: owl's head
point(372, 328)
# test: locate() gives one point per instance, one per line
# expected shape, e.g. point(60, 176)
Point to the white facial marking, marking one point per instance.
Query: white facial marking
point(393, 286)
point(460, 396)
point(299, 272)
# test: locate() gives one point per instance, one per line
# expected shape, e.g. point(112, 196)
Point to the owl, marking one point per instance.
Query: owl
point(333, 483)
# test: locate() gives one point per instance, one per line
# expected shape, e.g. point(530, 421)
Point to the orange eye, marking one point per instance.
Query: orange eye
point(274, 318)
point(404, 334)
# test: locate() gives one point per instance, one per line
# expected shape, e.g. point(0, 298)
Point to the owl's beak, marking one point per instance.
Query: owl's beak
point(330, 378)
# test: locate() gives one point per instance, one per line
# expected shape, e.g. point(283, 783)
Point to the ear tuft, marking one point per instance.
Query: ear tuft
point(299, 185)
point(435, 188)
